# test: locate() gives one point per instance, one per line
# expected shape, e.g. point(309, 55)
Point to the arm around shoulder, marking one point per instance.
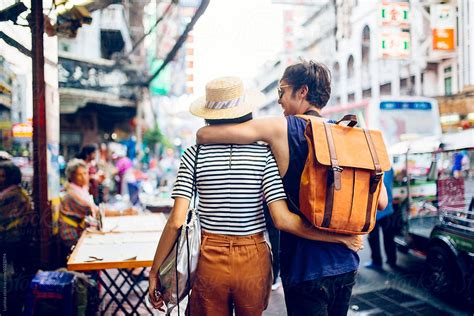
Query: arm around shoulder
point(264, 129)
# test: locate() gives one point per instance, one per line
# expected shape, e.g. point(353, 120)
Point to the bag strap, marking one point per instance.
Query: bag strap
point(375, 158)
point(176, 272)
point(195, 175)
point(374, 179)
point(332, 154)
point(351, 118)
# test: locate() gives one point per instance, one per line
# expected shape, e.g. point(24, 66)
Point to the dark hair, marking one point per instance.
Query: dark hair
point(314, 75)
point(237, 120)
point(86, 151)
point(12, 173)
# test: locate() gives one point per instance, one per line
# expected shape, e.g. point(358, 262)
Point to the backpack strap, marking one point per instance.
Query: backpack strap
point(374, 179)
point(375, 158)
point(332, 154)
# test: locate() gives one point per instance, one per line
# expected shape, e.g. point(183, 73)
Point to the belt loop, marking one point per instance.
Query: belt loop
point(204, 240)
point(231, 244)
point(255, 242)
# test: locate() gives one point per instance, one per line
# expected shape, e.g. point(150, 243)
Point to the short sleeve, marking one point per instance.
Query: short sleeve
point(272, 185)
point(183, 187)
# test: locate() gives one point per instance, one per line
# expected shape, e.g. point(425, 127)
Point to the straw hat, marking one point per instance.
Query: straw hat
point(226, 99)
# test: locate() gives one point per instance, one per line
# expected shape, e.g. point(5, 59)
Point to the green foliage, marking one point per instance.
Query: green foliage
point(155, 136)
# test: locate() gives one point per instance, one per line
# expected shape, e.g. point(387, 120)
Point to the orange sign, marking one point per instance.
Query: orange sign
point(443, 24)
point(443, 39)
point(22, 130)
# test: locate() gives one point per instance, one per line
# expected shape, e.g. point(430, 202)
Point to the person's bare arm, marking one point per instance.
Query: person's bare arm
point(168, 238)
point(383, 198)
point(292, 223)
point(265, 129)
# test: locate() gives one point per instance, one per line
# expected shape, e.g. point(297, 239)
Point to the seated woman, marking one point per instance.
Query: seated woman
point(77, 203)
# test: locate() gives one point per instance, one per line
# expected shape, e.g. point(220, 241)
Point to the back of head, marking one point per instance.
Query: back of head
point(315, 76)
point(12, 173)
point(86, 151)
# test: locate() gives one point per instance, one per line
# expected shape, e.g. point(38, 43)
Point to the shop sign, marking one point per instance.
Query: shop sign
point(395, 14)
point(395, 45)
point(443, 25)
point(88, 76)
point(5, 125)
point(22, 130)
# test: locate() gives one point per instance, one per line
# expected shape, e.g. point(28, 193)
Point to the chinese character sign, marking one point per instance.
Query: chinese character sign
point(395, 44)
point(443, 24)
point(396, 14)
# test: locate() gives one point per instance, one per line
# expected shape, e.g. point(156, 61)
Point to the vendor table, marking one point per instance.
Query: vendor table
point(116, 254)
point(138, 223)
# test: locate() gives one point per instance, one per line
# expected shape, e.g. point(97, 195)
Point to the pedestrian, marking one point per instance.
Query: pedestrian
point(385, 221)
point(89, 155)
point(317, 276)
point(18, 238)
point(234, 270)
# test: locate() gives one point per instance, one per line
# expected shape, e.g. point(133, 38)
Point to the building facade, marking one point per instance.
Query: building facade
point(352, 39)
point(100, 72)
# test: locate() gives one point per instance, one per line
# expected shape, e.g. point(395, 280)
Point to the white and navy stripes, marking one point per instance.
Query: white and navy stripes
point(232, 181)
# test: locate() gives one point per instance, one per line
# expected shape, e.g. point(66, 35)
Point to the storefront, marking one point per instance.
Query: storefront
point(96, 104)
point(457, 111)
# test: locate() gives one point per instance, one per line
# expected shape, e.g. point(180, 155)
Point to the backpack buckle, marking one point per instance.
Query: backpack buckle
point(337, 169)
point(378, 176)
point(374, 181)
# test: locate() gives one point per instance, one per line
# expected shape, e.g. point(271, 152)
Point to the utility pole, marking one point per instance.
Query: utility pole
point(40, 178)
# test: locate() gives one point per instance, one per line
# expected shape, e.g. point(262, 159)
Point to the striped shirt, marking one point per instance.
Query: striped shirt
point(232, 181)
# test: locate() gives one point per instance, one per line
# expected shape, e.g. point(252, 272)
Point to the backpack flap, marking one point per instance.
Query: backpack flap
point(351, 146)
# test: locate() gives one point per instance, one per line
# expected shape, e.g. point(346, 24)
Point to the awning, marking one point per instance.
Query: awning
point(72, 99)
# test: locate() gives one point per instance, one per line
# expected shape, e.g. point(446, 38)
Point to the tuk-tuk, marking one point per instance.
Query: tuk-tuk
point(433, 200)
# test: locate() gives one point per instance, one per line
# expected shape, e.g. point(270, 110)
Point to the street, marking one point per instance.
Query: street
point(115, 114)
point(407, 281)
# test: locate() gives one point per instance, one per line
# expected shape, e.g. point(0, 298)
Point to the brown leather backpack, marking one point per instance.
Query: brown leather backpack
point(342, 178)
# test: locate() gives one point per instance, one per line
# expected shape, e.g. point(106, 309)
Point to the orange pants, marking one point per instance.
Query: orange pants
point(234, 272)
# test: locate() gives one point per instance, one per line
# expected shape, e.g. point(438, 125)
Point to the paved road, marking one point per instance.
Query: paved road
point(406, 280)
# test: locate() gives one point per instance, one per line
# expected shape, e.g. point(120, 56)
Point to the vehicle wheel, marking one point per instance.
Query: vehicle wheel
point(441, 274)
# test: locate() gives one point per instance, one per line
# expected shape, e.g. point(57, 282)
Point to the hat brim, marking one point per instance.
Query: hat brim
point(253, 100)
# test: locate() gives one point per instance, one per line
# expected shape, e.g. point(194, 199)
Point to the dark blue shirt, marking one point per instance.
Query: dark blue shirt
point(388, 181)
point(303, 259)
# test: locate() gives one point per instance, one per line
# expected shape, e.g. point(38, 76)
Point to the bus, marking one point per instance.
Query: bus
point(399, 118)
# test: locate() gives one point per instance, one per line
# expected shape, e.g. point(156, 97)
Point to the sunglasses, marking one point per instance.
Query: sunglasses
point(281, 91)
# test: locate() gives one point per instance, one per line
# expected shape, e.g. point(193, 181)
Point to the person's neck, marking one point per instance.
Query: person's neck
point(310, 110)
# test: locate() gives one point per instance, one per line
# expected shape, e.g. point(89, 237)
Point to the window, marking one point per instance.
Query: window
point(64, 47)
point(448, 80)
point(448, 88)
point(350, 67)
